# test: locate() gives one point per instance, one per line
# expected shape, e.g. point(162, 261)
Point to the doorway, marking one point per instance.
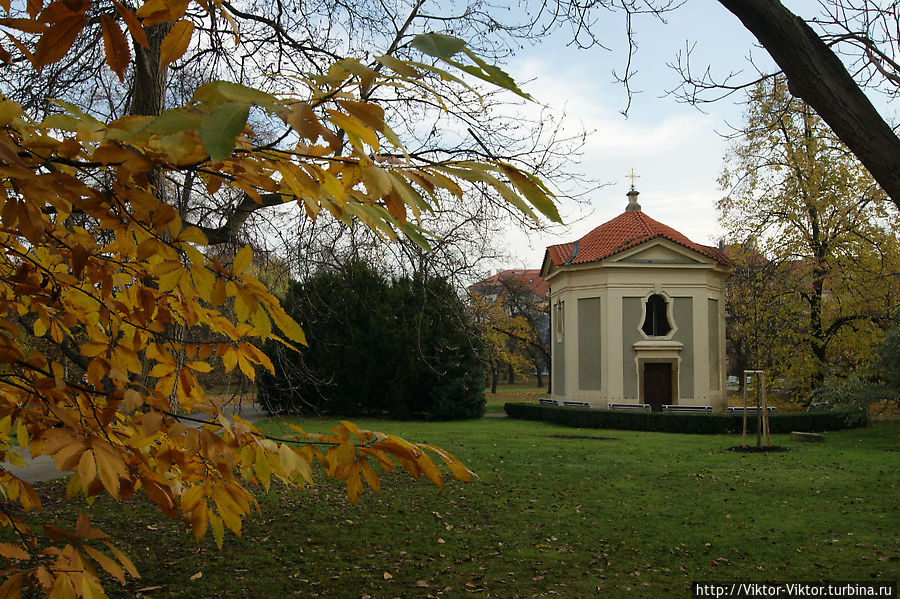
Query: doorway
point(657, 384)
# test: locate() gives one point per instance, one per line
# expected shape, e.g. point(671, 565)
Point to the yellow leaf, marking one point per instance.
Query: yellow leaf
point(40, 327)
point(199, 366)
point(191, 498)
point(285, 323)
point(456, 467)
point(55, 43)
point(370, 476)
point(354, 128)
point(430, 469)
point(110, 468)
point(87, 468)
point(218, 294)
point(218, 531)
point(22, 434)
point(106, 562)
point(193, 235)
point(378, 181)
point(67, 457)
point(246, 367)
point(199, 521)
point(13, 552)
point(231, 519)
point(126, 563)
point(12, 588)
point(134, 26)
point(9, 111)
point(263, 472)
point(261, 323)
point(160, 370)
point(62, 588)
point(176, 42)
point(89, 590)
point(118, 55)
point(242, 260)
point(354, 483)
point(133, 399)
point(230, 359)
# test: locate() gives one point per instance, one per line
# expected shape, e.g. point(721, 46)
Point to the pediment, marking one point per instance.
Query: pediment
point(548, 269)
point(660, 251)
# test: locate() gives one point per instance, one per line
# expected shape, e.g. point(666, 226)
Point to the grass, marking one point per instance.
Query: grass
point(555, 511)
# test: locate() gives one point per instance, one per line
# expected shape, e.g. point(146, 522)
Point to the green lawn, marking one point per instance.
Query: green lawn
point(555, 511)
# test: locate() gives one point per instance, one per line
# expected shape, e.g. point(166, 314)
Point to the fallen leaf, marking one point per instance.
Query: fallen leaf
point(197, 575)
point(387, 576)
point(421, 583)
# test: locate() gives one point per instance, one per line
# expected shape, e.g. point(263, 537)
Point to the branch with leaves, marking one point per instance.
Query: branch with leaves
point(92, 257)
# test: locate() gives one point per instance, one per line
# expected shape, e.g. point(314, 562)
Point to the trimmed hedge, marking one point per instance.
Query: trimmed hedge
point(713, 424)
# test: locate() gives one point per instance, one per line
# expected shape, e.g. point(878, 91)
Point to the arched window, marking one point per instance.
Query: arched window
point(656, 321)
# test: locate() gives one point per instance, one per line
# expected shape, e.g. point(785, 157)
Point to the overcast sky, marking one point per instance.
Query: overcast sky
point(675, 149)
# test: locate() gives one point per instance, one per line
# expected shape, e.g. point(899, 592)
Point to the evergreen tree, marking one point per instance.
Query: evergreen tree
point(403, 349)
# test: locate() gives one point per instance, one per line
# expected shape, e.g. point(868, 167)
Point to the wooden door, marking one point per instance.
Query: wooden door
point(657, 385)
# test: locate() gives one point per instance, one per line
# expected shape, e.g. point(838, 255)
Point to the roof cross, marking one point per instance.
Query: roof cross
point(633, 176)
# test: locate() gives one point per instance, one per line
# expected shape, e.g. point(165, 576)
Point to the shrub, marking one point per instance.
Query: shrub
point(850, 394)
point(402, 349)
point(684, 423)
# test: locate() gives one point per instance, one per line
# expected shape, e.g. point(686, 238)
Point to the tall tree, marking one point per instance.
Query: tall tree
point(761, 313)
point(97, 261)
point(505, 338)
point(865, 34)
point(811, 208)
point(523, 294)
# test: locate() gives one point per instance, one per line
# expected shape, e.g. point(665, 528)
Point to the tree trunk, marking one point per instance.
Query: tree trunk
point(495, 378)
point(539, 374)
point(148, 94)
point(818, 341)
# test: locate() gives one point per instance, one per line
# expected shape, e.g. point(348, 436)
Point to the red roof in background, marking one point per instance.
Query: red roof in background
point(529, 278)
point(625, 231)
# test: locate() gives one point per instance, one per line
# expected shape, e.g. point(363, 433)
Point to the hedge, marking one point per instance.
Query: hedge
point(684, 423)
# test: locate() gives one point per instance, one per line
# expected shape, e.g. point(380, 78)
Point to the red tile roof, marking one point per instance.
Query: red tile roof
point(529, 278)
point(625, 231)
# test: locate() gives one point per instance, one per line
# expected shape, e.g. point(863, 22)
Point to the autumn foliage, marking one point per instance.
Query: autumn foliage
point(100, 276)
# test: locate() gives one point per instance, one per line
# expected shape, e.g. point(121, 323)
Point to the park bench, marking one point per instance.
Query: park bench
point(630, 407)
point(548, 402)
point(576, 404)
point(751, 411)
point(687, 409)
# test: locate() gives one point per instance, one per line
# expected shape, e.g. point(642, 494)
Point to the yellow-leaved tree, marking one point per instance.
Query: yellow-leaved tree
point(99, 274)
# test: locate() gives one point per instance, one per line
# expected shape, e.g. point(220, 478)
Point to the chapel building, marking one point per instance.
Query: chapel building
point(637, 316)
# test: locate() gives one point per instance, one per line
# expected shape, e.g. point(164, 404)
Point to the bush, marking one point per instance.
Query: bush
point(850, 394)
point(684, 423)
point(401, 349)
